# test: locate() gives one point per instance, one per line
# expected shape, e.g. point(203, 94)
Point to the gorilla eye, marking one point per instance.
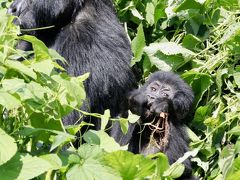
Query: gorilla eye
point(164, 94)
point(153, 88)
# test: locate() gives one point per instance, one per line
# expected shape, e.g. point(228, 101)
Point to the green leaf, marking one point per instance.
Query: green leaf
point(8, 101)
point(235, 131)
point(22, 167)
point(132, 118)
point(192, 136)
point(200, 83)
point(202, 164)
point(162, 164)
point(105, 118)
point(52, 159)
point(189, 4)
point(237, 78)
point(138, 43)
point(232, 31)
point(73, 129)
point(234, 170)
point(21, 68)
point(87, 151)
point(168, 55)
point(45, 66)
point(8, 147)
point(175, 170)
point(124, 125)
point(191, 42)
point(150, 10)
point(130, 166)
point(71, 90)
point(159, 11)
point(102, 139)
point(167, 48)
point(40, 49)
point(136, 14)
point(226, 159)
point(60, 139)
point(200, 115)
point(219, 82)
point(91, 170)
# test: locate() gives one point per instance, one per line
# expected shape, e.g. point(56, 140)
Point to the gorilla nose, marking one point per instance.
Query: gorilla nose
point(150, 100)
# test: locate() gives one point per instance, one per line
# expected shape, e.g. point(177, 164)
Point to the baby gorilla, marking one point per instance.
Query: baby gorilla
point(163, 103)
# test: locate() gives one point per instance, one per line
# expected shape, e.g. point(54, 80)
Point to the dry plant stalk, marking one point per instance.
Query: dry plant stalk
point(160, 131)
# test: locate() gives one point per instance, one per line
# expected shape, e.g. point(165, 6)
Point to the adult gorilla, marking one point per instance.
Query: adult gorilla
point(89, 36)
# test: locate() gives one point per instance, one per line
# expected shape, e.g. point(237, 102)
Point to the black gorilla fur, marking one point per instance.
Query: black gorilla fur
point(174, 97)
point(89, 36)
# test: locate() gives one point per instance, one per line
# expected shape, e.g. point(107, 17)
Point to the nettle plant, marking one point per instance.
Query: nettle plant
point(197, 39)
point(200, 41)
point(36, 93)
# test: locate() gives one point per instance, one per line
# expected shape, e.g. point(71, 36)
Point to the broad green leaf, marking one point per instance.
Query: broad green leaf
point(191, 42)
point(13, 85)
point(132, 118)
point(200, 115)
point(189, 4)
point(8, 101)
point(226, 159)
point(234, 170)
point(138, 43)
point(162, 165)
point(200, 83)
point(8, 147)
point(71, 90)
point(87, 151)
point(40, 49)
point(91, 137)
point(60, 139)
point(168, 55)
point(69, 157)
point(235, 131)
point(22, 167)
point(192, 136)
point(130, 166)
point(102, 139)
point(91, 169)
point(53, 159)
point(21, 68)
point(73, 129)
point(136, 13)
point(159, 11)
point(45, 66)
point(175, 170)
point(167, 48)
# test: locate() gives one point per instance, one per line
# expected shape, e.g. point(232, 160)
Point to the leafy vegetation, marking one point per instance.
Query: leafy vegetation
point(198, 39)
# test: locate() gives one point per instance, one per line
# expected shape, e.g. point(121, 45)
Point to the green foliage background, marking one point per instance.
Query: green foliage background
point(198, 39)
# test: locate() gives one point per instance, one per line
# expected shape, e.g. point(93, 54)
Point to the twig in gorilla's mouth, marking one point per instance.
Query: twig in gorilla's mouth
point(160, 131)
